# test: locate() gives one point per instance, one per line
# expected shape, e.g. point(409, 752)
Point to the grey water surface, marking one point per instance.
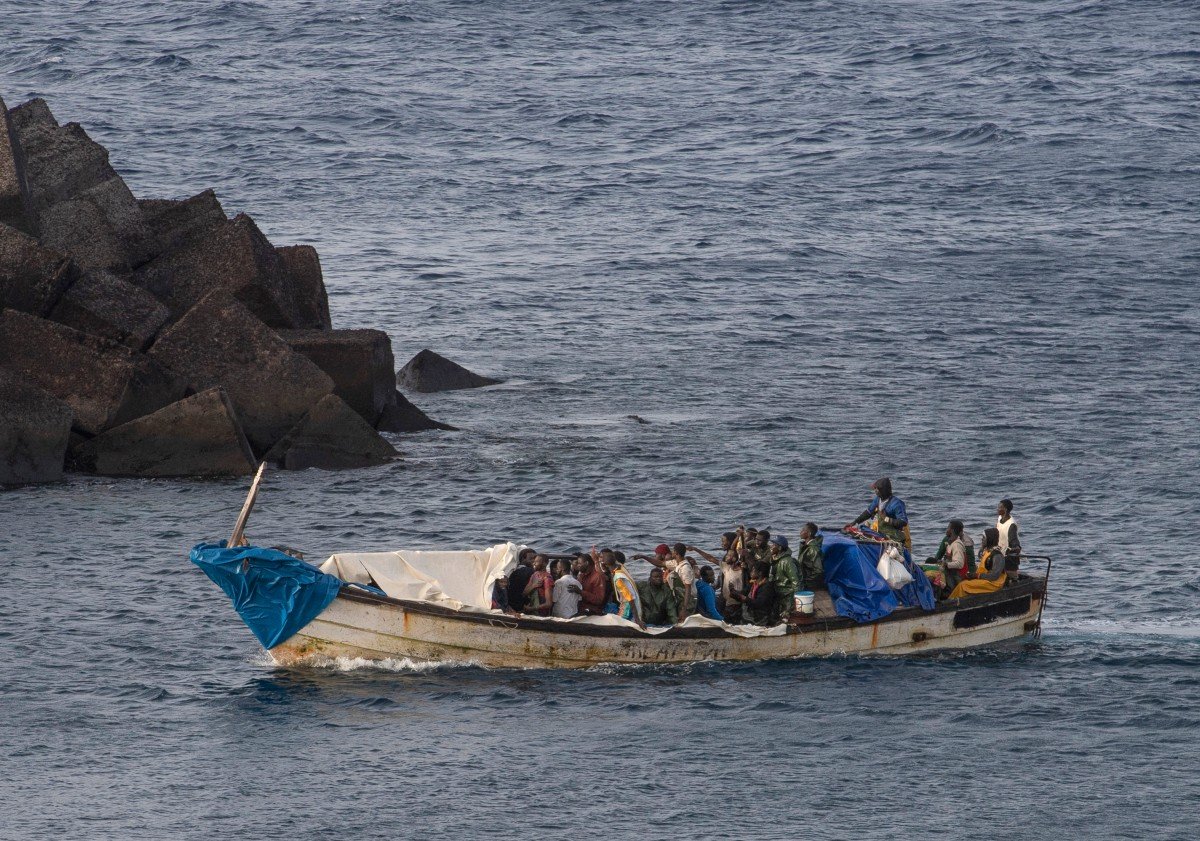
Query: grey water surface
point(811, 243)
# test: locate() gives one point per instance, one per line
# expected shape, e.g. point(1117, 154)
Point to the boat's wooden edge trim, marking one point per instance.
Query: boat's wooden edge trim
point(1026, 587)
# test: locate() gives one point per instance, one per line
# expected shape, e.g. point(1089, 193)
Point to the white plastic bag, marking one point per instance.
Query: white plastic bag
point(891, 567)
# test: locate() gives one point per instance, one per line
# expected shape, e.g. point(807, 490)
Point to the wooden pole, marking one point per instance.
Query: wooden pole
point(238, 538)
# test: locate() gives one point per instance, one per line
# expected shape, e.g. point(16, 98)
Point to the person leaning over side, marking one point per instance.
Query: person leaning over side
point(783, 576)
point(990, 576)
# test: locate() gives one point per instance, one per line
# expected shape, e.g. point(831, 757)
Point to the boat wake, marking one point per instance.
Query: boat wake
point(362, 664)
point(1181, 627)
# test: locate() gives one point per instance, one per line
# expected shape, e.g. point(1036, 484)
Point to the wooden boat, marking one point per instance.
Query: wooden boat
point(360, 624)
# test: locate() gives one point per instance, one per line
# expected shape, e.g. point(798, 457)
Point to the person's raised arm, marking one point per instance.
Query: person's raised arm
point(705, 555)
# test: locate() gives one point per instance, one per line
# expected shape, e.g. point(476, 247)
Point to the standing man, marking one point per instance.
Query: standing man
point(1010, 544)
point(626, 593)
point(811, 566)
point(567, 591)
point(518, 578)
point(594, 584)
point(889, 513)
point(783, 576)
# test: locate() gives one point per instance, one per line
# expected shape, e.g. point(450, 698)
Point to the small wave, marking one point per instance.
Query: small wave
point(585, 118)
point(403, 664)
point(1184, 628)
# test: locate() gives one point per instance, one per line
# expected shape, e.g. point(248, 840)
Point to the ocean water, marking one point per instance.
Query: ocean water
point(810, 243)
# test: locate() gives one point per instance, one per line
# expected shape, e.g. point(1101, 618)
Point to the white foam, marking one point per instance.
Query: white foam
point(1179, 627)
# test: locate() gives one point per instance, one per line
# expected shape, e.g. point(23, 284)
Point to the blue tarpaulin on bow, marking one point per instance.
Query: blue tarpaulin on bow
point(275, 594)
point(858, 590)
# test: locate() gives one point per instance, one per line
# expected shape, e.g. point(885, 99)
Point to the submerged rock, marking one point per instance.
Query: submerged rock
point(104, 383)
point(429, 372)
point(402, 416)
point(221, 343)
point(197, 436)
point(34, 431)
point(331, 436)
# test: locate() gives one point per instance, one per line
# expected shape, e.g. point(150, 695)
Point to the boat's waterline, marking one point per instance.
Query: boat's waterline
point(357, 628)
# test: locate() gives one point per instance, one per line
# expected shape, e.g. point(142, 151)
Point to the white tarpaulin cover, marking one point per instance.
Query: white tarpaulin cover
point(463, 581)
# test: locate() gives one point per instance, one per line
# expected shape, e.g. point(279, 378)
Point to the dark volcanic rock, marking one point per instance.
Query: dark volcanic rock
point(105, 304)
point(13, 191)
point(197, 436)
point(403, 416)
point(428, 371)
point(332, 436)
point(32, 278)
point(34, 429)
point(173, 222)
point(233, 257)
point(359, 362)
point(306, 285)
point(219, 342)
point(104, 383)
point(80, 205)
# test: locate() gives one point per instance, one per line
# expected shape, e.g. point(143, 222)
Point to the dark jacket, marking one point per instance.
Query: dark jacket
point(812, 565)
point(658, 604)
point(760, 607)
point(516, 586)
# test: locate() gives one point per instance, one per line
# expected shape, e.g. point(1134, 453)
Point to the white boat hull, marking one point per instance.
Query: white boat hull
point(357, 626)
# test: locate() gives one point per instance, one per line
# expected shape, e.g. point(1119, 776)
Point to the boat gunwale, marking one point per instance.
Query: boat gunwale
point(1027, 586)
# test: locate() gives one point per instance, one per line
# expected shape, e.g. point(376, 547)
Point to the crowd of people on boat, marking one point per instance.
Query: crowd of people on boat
point(755, 578)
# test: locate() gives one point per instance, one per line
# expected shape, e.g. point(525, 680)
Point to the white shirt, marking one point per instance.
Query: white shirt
point(566, 603)
point(1005, 530)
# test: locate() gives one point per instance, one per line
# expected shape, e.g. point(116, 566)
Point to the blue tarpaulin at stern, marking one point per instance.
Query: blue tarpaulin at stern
point(275, 594)
point(857, 590)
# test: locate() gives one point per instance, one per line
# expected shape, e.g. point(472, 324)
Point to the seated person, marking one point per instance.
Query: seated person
point(955, 558)
point(500, 596)
point(567, 592)
point(657, 600)
point(706, 596)
point(539, 592)
point(990, 576)
point(759, 602)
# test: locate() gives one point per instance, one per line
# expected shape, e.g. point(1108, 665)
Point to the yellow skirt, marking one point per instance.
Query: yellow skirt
point(977, 585)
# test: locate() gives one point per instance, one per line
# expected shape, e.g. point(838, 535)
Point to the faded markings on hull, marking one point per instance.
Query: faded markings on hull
point(353, 630)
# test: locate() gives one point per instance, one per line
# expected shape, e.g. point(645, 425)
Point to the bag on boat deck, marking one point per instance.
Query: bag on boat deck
point(891, 567)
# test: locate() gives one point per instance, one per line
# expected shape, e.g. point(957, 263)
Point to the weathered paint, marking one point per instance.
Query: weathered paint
point(354, 629)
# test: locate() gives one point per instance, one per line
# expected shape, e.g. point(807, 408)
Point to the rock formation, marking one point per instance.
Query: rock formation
point(160, 337)
point(429, 371)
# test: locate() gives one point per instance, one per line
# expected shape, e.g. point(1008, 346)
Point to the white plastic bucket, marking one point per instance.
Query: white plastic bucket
point(804, 601)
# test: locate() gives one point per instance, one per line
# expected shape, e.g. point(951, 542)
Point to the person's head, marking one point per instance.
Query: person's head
point(706, 574)
point(760, 570)
point(525, 556)
point(619, 557)
point(751, 534)
point(656, 576)
point(679, 550)
point(991, 537)
point(559, 568)
point(955, 529)
point(727, 539)
point(584, 564)
point(808, 531)
point(662, 551)
point(882, 487)
point(1004, 509)
point(539, 562)
point(763, 539)
point(607, 556)
point(779, 544)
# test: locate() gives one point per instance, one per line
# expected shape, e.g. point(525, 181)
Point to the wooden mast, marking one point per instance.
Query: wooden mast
point(238, 537)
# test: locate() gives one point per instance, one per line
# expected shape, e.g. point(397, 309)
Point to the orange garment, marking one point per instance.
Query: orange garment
point(975, 586)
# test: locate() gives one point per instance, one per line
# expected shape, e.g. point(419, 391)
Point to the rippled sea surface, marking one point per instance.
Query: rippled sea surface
point(811, 244)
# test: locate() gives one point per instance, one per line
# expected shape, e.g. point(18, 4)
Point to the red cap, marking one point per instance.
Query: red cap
point(662, 549)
